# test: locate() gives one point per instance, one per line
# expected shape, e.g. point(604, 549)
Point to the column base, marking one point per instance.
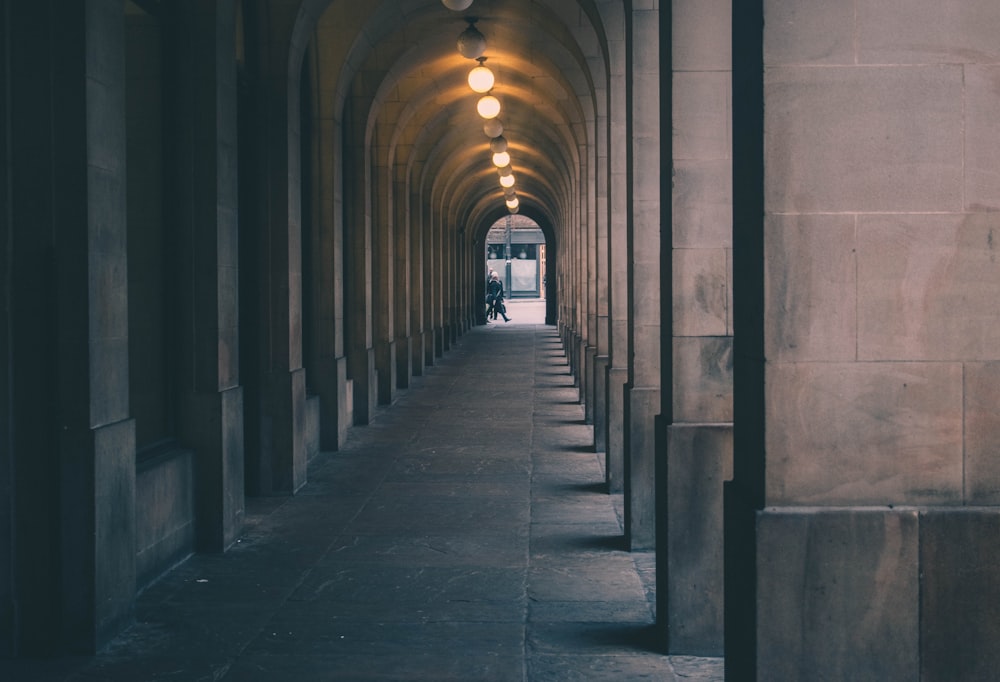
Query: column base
point(698, 459)
point(642, 405)
point(877, 593)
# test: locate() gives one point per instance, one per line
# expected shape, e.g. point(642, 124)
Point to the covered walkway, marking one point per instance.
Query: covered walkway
point(465, 534)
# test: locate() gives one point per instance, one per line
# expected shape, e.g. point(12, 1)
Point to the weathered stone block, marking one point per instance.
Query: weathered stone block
point(982, 433)
point(310, 429)
point(729, 291)
point(164, 531)
point(927, 287)
point(811, 304)
point(646, 362)
point(600, 403)
point(109, 562)
point(702, 35)
point(700, 281)
point(641, 407)
point(615, 456)
point(873, 139)
point(233, 463)
point(907, 32)
point(837, 595)
point(960, 590)
point(702, 203)
point(808, 32)
point(982, 138)
point(703, 379)
point(864, 433)
point(109, 397)
point(701, 115)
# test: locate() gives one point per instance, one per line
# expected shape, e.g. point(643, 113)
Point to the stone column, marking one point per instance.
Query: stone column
point(69, 440)
point(436, 298)
point(328, 369)
point(617, 261)
point(870, 492)
point(698, 417)
point(358, 311)
point(602, 289)
point(418, 288)
point(642, 393)
point(429, 283)
point(97, 439)
point(447, 277)
point(404, 285)
point(383, 261)
point(282, 395)
point(588, 291)
point(210, 408)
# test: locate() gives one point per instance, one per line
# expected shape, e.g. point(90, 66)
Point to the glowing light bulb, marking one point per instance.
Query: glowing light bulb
point(488, 106)
point(481, 79)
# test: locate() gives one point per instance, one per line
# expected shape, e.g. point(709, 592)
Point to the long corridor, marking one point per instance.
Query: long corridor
point(466, 534)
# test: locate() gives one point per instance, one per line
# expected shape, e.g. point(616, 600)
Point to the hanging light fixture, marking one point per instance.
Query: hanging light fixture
point(505, 171)
point(488, 106)
point(457, 5)
point(501, 159)
point(471, 43)
point(498, 144)
point(493, 127)
point(513, 203)
point(480, 78)
point(507, 180)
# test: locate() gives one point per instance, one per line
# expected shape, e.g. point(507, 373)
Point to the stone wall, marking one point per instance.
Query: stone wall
point(880, 338)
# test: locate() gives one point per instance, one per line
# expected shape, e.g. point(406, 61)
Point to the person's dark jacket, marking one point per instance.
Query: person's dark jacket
point(494, 290)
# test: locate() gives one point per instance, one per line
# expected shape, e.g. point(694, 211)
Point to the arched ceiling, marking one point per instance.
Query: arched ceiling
point(392, 67)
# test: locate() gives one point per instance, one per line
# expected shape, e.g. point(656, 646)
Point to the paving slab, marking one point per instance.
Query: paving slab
point(466, 534)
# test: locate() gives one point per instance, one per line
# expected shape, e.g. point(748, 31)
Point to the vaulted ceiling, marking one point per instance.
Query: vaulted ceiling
point(393, 68)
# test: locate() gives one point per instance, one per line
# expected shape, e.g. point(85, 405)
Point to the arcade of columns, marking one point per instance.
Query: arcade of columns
point(234, 228)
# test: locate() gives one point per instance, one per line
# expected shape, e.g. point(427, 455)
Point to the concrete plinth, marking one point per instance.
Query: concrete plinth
point(588, 386)
point(698, 459)
point(332, 386)
point(641, 407)
point(601, 403)
point(165, 523)
point(838, 594)
point(877, 593)
point(614, 456)
point(404, 359)
point(960, 590)
point(283, 455)
point(418, 353)
point(385, 363)
point(362, 371)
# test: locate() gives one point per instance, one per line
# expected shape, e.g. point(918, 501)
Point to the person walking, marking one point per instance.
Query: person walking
point(494, 296)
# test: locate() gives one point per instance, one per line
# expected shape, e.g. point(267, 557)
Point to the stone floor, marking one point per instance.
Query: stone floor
point(466, 534)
